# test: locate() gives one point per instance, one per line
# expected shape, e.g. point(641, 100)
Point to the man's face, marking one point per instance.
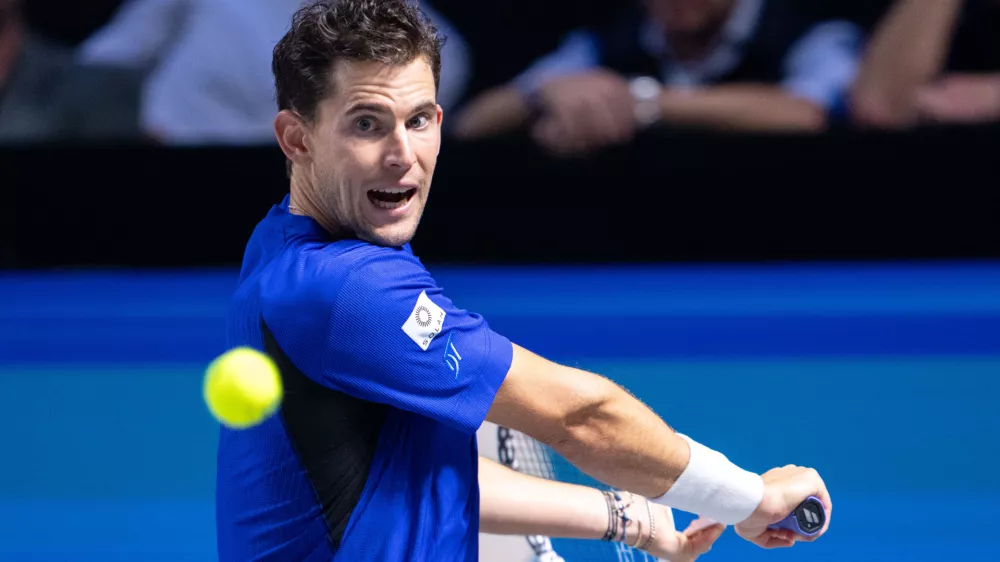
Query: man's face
point(374, 145)
point(689, 16)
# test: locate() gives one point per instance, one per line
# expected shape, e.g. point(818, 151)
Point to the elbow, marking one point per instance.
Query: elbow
point(870, 111)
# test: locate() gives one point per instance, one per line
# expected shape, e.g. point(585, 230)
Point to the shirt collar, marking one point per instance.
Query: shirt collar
point(303, 224)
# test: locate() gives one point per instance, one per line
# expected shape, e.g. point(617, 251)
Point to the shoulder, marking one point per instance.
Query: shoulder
point(312, 280)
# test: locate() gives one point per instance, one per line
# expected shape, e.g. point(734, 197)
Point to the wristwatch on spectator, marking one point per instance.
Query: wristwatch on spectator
point(646, 91)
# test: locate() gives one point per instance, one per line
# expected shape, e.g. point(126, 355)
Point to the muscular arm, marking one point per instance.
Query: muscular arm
point(906, 51)
point(741, 108)
point(592, 422)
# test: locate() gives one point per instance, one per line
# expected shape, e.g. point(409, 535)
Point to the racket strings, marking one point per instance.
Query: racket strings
point(529, 456)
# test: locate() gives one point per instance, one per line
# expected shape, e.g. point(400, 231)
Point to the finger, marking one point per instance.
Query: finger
point(778, 543)
point(703, 540)
point(595, 121)
point(699, 524)
point(823, 494)
point(623, 105)
point(777, 538)
point(717, 528)
point(620, 105)
point(611, 128)
point(572, 125)
point(550, 134)
point(783, 534)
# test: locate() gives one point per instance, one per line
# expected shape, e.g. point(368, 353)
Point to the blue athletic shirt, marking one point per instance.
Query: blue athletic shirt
point(373, 454)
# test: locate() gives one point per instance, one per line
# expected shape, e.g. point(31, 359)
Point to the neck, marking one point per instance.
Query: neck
point(302, 201)
point(696, 44)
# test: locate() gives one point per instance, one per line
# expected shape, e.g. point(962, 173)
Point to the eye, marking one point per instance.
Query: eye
point(365, 124)
point(419, 121)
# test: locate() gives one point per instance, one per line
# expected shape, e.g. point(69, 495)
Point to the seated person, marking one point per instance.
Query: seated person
point(750, 65)
point(209, 65)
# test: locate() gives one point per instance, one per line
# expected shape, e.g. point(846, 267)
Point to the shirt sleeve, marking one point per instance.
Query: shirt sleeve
point(821, 66)
point(137, 35)
point(577, 53)
point(393, 337)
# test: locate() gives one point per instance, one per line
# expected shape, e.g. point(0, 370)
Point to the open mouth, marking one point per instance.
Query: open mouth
point(391, 197)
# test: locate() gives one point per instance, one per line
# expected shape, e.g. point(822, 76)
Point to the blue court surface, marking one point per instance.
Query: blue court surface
point(884, 378)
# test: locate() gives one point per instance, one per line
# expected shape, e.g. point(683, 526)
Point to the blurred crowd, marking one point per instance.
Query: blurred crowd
point(198, 72)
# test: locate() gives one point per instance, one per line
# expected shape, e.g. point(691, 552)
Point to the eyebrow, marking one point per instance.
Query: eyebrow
point(426, 106)
point(380, 108)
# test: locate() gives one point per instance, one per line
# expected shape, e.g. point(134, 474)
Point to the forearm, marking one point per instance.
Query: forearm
point(593, 423)
point(907, 50)
point(512, 503)
point(610, 435)
point(494, 112)
point(741, 108)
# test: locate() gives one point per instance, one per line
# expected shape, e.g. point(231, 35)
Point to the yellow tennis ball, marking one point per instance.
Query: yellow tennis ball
point(242, 387)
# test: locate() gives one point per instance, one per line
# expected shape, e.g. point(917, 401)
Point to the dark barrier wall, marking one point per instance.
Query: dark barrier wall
point(684, 198)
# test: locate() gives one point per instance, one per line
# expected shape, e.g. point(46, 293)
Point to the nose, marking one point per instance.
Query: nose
point(400, 150)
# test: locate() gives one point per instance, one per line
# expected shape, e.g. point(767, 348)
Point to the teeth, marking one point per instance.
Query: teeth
point(393, 190)
point(387, 205)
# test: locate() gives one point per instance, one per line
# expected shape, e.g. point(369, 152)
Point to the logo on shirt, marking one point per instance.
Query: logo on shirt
point(451, 356)
point(425, 321)
point(422, 316)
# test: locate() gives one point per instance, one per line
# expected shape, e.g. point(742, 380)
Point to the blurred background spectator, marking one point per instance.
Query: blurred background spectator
point(576, 76)
point(932, 61)
point(208, 65)
point(46, 96)
point(751, 65)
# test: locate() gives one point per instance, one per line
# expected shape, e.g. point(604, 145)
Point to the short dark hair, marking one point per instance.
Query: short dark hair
point(387, 31)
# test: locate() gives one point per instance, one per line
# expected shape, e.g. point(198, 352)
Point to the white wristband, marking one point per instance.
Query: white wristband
point(713, 487)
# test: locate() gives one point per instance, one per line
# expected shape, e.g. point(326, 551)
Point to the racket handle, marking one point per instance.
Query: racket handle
point(807, 519)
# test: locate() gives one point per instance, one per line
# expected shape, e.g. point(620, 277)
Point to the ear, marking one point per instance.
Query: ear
point(440, 118)
point(291, 131)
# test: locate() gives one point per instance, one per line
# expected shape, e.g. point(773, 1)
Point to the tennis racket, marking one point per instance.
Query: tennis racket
point(524, 454)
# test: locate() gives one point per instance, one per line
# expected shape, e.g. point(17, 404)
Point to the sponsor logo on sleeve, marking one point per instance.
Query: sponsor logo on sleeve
point(425, 321)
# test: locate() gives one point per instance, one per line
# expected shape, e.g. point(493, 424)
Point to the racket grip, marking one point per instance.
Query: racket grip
point(807, 519)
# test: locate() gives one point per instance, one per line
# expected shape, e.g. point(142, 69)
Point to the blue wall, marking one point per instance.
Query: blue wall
point(108, 451)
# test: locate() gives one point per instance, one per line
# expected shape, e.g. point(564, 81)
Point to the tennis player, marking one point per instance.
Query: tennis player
point(373, 456)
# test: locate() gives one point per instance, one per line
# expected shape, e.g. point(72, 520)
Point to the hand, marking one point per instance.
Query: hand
point(961, 98)
point(784, 489)
point(584, 112)
point(674, 546)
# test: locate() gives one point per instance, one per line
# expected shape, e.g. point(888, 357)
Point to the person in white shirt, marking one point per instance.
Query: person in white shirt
point(208, 65)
